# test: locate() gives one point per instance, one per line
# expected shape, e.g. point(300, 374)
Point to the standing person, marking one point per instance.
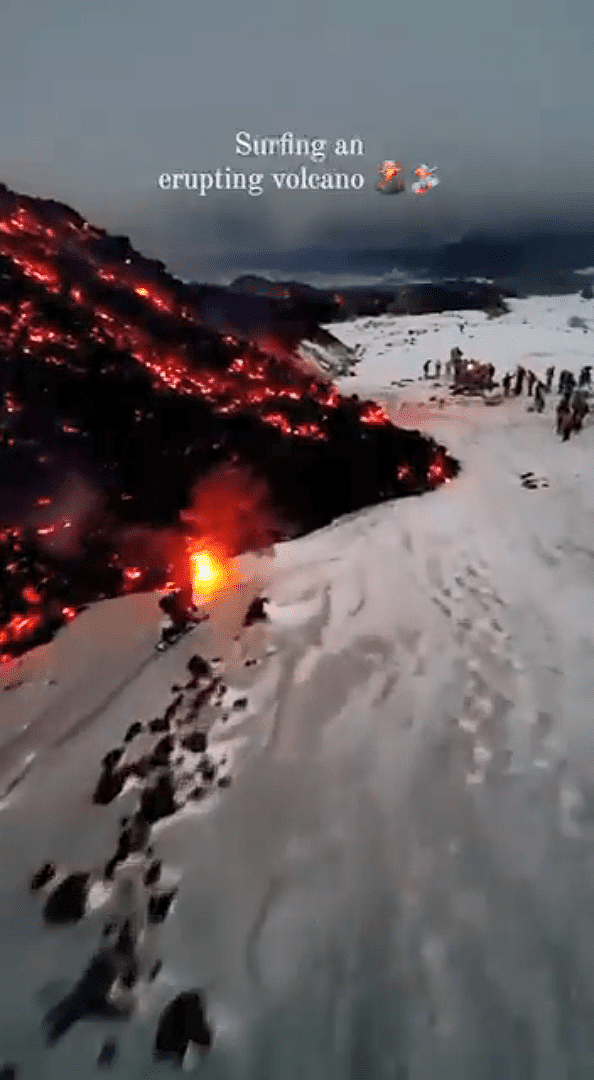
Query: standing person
point(519, 384)
point(437, 369)
point(585, 376)
point(563, 414)
point(567, 425)
point(570, 382)
point(539, 397)
point(491, 371)
point(550, 377)
point(579, 409)
point(531, 382)
point(426, 366)
point(507, 380)
point(562, 382)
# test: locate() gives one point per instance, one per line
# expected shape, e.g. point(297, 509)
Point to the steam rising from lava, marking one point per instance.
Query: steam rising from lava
point(231, 512)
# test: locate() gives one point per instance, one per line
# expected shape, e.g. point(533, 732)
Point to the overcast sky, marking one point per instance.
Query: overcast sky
point(99, 98)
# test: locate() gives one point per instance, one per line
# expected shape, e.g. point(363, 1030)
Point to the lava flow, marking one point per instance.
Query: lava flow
point(109, 375)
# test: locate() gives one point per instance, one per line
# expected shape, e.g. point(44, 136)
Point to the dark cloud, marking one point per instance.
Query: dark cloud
point(99, 100)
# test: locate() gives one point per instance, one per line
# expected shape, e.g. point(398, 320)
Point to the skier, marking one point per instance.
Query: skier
point(579, 409)
point(507, 380)
point(426, 366)
point(437, 369)
point(539, 396)
point(531, 382)
point(519, 384)
point(550, 377)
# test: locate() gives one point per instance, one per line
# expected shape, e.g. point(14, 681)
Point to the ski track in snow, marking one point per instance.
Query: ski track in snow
point(399, 881)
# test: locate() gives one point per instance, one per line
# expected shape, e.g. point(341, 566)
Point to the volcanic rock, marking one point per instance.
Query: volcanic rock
point(140, 768)
point(109, 868)
point(155, 970)
point(134, 730)
point(111, 758)
point(198, 667)
point(159, 801)
point(182, 1021)
point(256, 611)
point(207, 770)
point(153, 873)
point(196, 742)
point(107, 1054)
point(67, 902)
point(172, 709)
point(162, 752)
point(43, 875)
point(160, 723)
point(158, 906)
point(109, 786)
point(134, 837)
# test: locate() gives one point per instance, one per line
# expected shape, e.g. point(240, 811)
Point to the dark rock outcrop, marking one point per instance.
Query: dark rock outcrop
point(183, 1021)
point(67, 902)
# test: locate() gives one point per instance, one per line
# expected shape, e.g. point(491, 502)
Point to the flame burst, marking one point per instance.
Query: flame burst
point(209, 575)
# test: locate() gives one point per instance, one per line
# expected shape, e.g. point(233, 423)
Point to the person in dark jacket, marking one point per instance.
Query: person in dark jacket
point(579, 409)
point(539, 397)
point(550, 377)
point(519, 383)
point(531, 382)
point(585, 376)
point(426, 366)
point(507, 381)
point(564, 418)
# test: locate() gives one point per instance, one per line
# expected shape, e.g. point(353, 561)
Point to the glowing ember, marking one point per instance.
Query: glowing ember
point(209, 575)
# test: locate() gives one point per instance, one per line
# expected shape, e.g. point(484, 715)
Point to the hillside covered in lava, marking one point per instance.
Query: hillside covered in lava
point(127, 425)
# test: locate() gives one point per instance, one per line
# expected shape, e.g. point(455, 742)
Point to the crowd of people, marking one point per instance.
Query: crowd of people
point(572, 407)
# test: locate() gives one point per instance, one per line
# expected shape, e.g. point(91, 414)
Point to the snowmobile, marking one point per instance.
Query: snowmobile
point(471, 376)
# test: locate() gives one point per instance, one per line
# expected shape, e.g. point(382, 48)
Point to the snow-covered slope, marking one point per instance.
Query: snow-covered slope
point(399, 881)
